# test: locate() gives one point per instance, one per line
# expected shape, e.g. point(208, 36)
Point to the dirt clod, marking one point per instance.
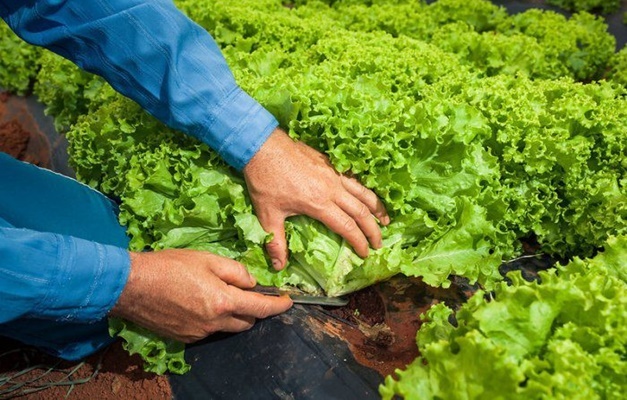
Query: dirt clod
point(20, 135)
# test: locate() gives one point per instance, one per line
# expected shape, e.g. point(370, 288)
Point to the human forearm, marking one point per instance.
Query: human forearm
point(152, 53)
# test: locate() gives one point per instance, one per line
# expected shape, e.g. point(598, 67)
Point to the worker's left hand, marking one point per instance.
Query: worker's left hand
point(287, 178)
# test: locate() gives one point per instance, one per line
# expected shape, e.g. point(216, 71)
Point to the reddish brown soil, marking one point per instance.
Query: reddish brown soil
point(109, 374)
point(379, 324)
point(20, 135)
point(14, 140)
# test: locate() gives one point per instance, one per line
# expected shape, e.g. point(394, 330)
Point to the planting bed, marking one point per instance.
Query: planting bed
point(323, 352)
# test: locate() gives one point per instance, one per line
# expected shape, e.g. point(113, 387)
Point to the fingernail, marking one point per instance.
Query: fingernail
point(252, 280)
point(276, 264)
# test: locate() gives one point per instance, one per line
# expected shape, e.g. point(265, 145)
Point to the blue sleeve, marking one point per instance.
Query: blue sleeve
point(151, 52)
point(56, 277)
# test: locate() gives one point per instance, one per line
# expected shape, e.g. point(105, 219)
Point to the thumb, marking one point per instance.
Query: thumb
point(277, 248)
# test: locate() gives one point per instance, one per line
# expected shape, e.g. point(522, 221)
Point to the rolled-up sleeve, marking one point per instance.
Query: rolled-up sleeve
point(57, 277)
point(154, 54)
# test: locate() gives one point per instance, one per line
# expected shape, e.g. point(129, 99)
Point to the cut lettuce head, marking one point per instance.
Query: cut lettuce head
point(333, 264)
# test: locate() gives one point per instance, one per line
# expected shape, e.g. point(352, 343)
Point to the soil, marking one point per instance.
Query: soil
point(20, 135)
point(379, 323)
point(109, 374)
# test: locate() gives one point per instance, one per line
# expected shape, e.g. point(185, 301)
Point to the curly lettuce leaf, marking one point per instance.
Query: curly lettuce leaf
point(160, 355)
point(19, 62)
point(563, 336)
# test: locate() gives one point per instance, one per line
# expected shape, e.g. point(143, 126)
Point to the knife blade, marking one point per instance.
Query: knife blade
point(301, 297)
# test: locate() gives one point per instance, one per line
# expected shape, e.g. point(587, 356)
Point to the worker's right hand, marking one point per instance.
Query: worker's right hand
point(187, 295)
point(286, 178)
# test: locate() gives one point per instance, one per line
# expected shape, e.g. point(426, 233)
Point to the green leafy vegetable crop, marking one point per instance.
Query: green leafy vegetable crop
point(563, 336)
point(470, 150)
point(18, 62)
point(535, 43)
point(618, 71)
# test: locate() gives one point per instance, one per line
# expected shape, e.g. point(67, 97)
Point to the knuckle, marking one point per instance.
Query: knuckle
point(274, 244)
point(362, 190)
point(263, 310)
point(222, 305)
point(356, 185)
point(349, 224)
point(318, 200)
point(363, 212)
point(319, 207)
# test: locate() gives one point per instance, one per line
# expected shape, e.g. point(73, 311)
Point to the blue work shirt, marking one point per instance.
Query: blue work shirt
point(152, 53)
point(63, 260)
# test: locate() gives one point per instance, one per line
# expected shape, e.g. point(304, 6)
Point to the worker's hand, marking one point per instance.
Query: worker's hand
point(187, 295)
point(288, 178)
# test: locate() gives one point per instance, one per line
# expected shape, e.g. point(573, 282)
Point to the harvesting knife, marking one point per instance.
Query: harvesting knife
point(301, 297)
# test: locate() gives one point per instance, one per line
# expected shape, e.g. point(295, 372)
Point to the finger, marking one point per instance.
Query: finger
point(361, 214)
point(231, 272)
point(238, 323)
point(368, 197)
point(257, 305)
point(344, 225)
point(277, 248)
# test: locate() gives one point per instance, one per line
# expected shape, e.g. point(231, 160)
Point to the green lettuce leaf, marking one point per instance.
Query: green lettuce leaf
point(563, 336)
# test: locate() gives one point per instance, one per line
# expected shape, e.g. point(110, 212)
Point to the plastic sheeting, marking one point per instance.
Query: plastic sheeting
point(285, 357)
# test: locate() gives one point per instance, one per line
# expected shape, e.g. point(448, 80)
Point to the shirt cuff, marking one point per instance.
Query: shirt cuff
point(88, 282)
point(249, 126)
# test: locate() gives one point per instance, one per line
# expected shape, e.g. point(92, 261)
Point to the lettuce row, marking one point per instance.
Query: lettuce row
point(548, 184)
point(433, 121)
point(536, 43)
point(561, 157)
point(19, 62)
point(604, 6)
point(618, 65)
point(564, 336)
